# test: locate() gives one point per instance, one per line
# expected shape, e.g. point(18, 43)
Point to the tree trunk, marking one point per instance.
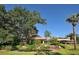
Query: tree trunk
point(74, 38)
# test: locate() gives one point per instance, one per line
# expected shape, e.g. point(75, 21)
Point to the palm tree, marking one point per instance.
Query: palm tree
point(74, 20)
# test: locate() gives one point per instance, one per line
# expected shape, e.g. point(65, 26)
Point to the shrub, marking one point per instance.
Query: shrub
point(8, 47)
point(21, 48)
point(26, 47)
point(58, 44)
point(62, 45)
point(47, 53)
point(56, 53)
point(55, 43)
point(52, 53)
point(31, 47)
point(43, 47)
point(40, 53)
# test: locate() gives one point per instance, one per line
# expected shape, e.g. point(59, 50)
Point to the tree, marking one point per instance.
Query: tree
point(71, 37)
point(25, 22)
point(20, 22)
point(74, 20)
point(47, 33)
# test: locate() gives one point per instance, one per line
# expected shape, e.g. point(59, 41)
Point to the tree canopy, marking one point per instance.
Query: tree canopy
point(47, 33)
point(74, 19)
point(19, 22)
point(71, 36)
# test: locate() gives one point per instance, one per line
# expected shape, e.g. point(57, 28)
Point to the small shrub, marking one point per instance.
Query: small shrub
point(26, 47)
point(62, 45)
point(40, 53)
point(21, 48)
point(49, 53)
point(8, 47)
point(44, 47)
point(58, 44)
point(56, 53)
point(31, 47)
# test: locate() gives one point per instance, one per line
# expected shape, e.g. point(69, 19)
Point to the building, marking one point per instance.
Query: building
point(41, 39)
point(65, 40)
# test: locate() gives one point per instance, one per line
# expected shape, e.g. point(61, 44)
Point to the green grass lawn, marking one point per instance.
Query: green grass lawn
point(69, 50)
point(4, 52)
point(63, 51)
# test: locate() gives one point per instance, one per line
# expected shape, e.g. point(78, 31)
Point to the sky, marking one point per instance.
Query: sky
point(55, 15)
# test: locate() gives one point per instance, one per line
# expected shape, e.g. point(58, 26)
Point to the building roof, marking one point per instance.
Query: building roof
point(41, 38)
point(64, 39)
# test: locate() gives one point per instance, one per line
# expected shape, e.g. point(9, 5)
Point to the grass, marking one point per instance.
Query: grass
point(5, 52)
point(68, 50)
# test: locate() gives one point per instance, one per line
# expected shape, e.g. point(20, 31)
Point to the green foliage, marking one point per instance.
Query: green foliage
point(62, 45)
point(40, 53)
point(71, 36)
point(44, 47)
point(20, 23)
point(68, 52)
point(31, 47)
point(2, 8)
point(57, 44)
point(4, 52)
point(7, 47)
point(21, 48)
point(73, 19)
point(77, 39)
point(26, 47)
point(47, 33)
point(47, 53)
point(33, 42)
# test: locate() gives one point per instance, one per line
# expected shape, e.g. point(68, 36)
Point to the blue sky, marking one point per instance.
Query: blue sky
point(55, 15)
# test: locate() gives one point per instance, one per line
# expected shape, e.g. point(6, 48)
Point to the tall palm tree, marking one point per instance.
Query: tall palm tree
point(74, 20)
